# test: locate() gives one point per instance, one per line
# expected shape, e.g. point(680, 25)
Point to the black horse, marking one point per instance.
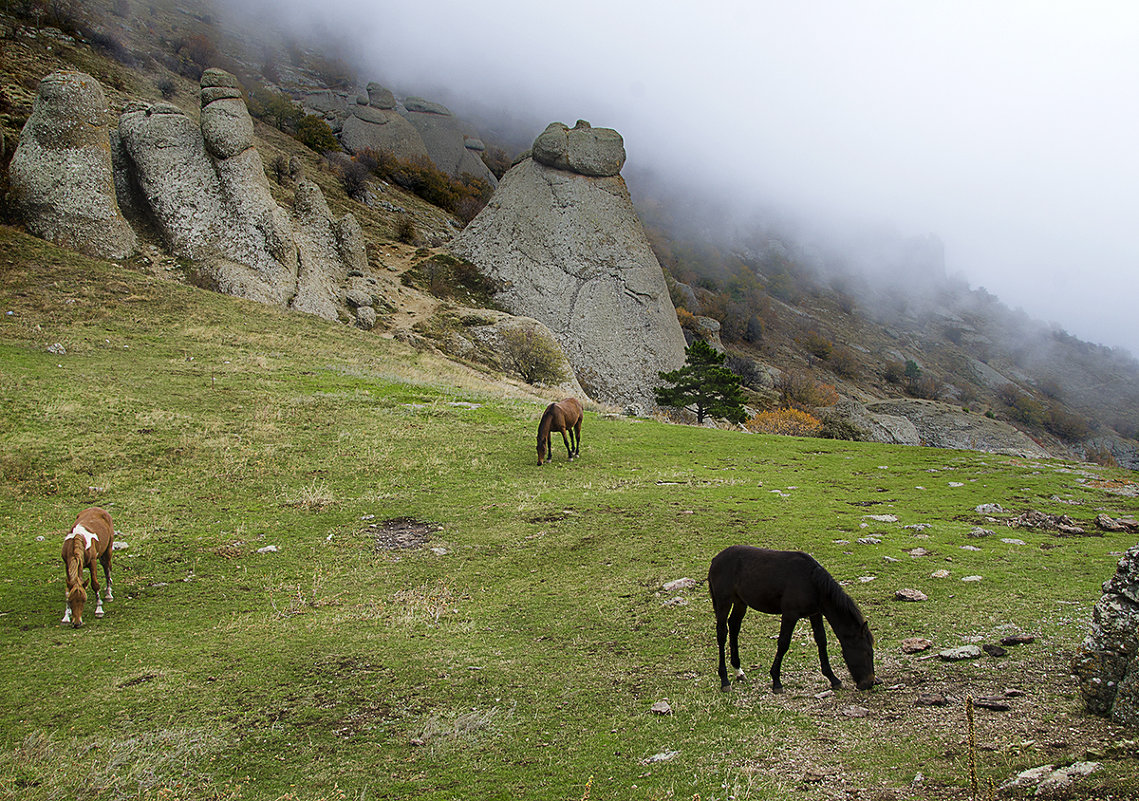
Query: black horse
point(794, 585)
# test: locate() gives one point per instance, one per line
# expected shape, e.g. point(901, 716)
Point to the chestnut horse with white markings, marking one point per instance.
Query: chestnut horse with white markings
point(564, 416)
point(90, 541)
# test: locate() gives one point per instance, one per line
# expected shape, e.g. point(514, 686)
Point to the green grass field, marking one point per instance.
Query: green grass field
point(517, 651)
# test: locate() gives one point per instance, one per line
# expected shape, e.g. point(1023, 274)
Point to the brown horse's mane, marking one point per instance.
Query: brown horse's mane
point(75, 562)
point(546, 423)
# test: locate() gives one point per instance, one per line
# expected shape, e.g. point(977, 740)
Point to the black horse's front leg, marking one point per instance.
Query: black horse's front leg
point(820, 633)
point(721, 640)
point(569, 449)
point(786, 627)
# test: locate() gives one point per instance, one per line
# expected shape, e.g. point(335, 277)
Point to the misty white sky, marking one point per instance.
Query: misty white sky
point(1009, 129)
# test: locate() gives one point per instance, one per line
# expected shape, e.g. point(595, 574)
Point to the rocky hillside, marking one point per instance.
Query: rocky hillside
point(200, 153)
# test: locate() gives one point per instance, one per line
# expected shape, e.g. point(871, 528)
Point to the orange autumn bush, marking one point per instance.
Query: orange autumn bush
point(787, 422)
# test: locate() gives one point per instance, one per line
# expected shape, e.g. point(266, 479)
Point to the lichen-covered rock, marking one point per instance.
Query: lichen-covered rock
point(570, 252)
point(1107, 666)
point(597, 152)
point(61, 173)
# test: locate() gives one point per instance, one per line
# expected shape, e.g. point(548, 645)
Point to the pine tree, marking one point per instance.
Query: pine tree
point(704, 384)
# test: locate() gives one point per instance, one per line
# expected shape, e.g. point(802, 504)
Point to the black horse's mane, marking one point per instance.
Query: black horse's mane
point(833, 592)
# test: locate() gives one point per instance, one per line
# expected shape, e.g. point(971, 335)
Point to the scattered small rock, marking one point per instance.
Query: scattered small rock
point(824, 694)
point(855, 711)
point(866, 579)
point(40, 538)
point(959, 654)
point(676, 601)
point(1012, 541)
point(663, 756)
point(915, 645)
point(1049, 779)
point(679, 584)
point(439, 551)
point(992, 704)
point(57, 349)
point(1015, 693)
point(978, 533)
point(120, 545)
point(882, 518)
point(989, 509)
point(994, 651)
point(661, 708)
point(970, 548)
point(918, 526)
point(1018, 639)
point(908, 594)
point(956, 484)
point(268, 549)
point(931, 699)
point(1112, 524)
point(971, 578)
point(939, 574)
point(917, 553)
point(869, 541)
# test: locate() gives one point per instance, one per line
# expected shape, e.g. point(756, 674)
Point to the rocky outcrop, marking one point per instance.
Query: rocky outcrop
point(940, 425)
point(202, 185)
point(373, 122)
point(569, 251)
point(867, 426)
point(449, 145)
point(61, 173)
point(1108, 664)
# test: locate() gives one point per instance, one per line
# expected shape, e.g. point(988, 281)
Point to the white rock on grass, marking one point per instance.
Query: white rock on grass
point(958, 654)
point(679, 584)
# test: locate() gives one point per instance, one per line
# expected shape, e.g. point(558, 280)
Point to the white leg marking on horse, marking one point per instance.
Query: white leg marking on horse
point(66, 614)
point(108, 593)
point(98, 607)
point(740, 673)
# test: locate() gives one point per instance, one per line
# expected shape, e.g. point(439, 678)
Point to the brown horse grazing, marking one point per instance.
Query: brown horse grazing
point(564, 416)
point(90, 541)
point(794, 585)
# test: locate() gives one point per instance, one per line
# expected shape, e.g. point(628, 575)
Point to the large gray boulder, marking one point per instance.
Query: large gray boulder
point(583, 149)
point(1107, 666)
point(940, 425)
point(449, 145)
point(207, 190)
point(374, 123)
point(570, 252)
point(61, 173)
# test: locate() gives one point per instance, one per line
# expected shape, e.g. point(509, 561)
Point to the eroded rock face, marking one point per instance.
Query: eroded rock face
point(940, 425)
point(374, 123)
point(61, 174)
point(571, 253)
point(1108, 664)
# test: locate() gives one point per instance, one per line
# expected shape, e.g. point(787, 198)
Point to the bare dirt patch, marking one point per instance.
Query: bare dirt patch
point(401, 533)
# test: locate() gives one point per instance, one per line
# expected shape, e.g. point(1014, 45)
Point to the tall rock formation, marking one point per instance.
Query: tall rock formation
point(1107, 666)
point(563, 239)
point(451, 149)
point(61, 173)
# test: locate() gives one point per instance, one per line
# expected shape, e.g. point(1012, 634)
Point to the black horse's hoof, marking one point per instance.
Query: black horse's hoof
point(777, 689)
point(836, 685)
point(725, 688)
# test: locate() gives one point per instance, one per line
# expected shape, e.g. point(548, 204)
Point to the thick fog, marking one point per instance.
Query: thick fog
point(1007, 129)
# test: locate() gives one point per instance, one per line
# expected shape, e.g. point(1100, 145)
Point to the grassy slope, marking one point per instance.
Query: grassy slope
point(523, 660)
